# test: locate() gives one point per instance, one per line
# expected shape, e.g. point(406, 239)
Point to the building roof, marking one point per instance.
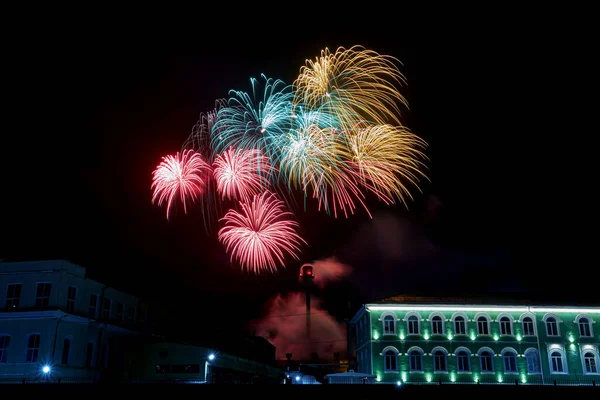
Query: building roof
point(507, 300)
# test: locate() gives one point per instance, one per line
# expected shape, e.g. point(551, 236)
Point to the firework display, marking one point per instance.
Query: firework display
point(334, 136)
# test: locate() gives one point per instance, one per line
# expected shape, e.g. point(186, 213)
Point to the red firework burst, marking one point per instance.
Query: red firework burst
point(241, 174)
point(179, 175)
point(262, 234)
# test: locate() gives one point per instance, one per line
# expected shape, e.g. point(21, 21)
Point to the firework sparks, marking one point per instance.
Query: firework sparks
point(387, 159)
point(179, 175)
point(261, 235)
point(240, 174)
point(354, 84)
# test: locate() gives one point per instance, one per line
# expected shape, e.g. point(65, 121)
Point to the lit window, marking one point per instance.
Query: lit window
point(551, 327)
point(389, 325)
point(589, 363)
point(416, 361)
point(460, 327)
point(437, 327)
point(391, 359)
point(533, 361)
point(483, 326)
point(528, 328)
point(439, 361)
point(510, 362)
point(413, 325)
point(463, 363)
point(505, 326)
point(556, 363)
point(584, 327)
point(487, 362)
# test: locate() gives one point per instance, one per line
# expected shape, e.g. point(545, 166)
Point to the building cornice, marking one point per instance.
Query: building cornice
point(482, 308)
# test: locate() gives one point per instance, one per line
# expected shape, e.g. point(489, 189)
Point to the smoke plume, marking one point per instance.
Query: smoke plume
point(284, 325)
point(328, 270)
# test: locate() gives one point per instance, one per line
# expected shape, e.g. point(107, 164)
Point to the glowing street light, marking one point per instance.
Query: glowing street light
point(46, 369)
point(211, 357)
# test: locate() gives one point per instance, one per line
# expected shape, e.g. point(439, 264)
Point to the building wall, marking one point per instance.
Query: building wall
point(568, 340)
point(57, 320)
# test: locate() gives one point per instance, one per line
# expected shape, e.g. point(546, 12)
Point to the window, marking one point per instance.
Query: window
point(131, 314)
point(389, 325)
point(33, 348)
point(437, 328)
point(119, 312)
point(487, 361)
point(13, 295)
point(106, 308)
point(413, 325)
point(71, 296)
point(460, 327)
point(584, 327)
point(104, 355)
point(528, 329)
point(589, 363)
point(556, 363)
point(482, 326)
point(42, 295)
point(89, 354)
point(533, 361)
point(4, 342)
point(551, 326)
point(505, 326)
point(463, 363)
point(510, 362)
point(439, 361)
point(416, 361)
point(93, 307)
point(66, 351)
point(390, 361)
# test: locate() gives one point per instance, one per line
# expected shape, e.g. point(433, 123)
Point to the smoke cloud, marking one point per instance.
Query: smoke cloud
point(285, 324)
point(328, 270)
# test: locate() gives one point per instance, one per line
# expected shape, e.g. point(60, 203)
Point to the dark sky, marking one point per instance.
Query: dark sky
point(95, 120)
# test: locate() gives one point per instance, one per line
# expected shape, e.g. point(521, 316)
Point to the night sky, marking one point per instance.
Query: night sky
point(95, 120)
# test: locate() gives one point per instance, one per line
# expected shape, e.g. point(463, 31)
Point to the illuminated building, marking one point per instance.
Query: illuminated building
point(57, 322)
point(418, 340)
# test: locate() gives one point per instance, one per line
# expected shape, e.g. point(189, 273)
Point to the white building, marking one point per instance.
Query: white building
point(52, 315)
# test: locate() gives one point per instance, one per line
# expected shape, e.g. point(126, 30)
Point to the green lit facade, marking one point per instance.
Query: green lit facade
point(442, 343)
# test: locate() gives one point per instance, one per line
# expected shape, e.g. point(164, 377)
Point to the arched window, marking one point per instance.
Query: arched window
point(505, 326)
point(413, 325)
point(533, 361)
point(463, 361)
point(4, 342)
point(510, 361)
point(483, 327)
point(557, 362)
point(389, 325)
point(66, 351)
point(590, 362)
point(390, 355)
point(439, 360)
point(486, 361)
point(437, 326)
point(460, 326)
point(585, 329)
point(415, 358)
point(528, 327)
point(551, 326)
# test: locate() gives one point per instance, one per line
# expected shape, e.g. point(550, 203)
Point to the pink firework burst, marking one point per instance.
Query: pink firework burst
point(262, 234)
point(240, 174)
point(179, 175)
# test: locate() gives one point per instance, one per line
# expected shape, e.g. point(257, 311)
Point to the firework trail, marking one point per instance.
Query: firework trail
point(261, 235)
point(179, 175)
point(240, 174)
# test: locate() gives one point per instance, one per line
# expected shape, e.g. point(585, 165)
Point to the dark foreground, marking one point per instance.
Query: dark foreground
point(306, 392)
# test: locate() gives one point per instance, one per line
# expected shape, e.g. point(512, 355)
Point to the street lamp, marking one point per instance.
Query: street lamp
point(46, 369)
point(211, 357)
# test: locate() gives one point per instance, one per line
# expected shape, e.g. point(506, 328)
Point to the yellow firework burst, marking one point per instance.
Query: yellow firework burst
point(355, 84)
point(388, 159)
